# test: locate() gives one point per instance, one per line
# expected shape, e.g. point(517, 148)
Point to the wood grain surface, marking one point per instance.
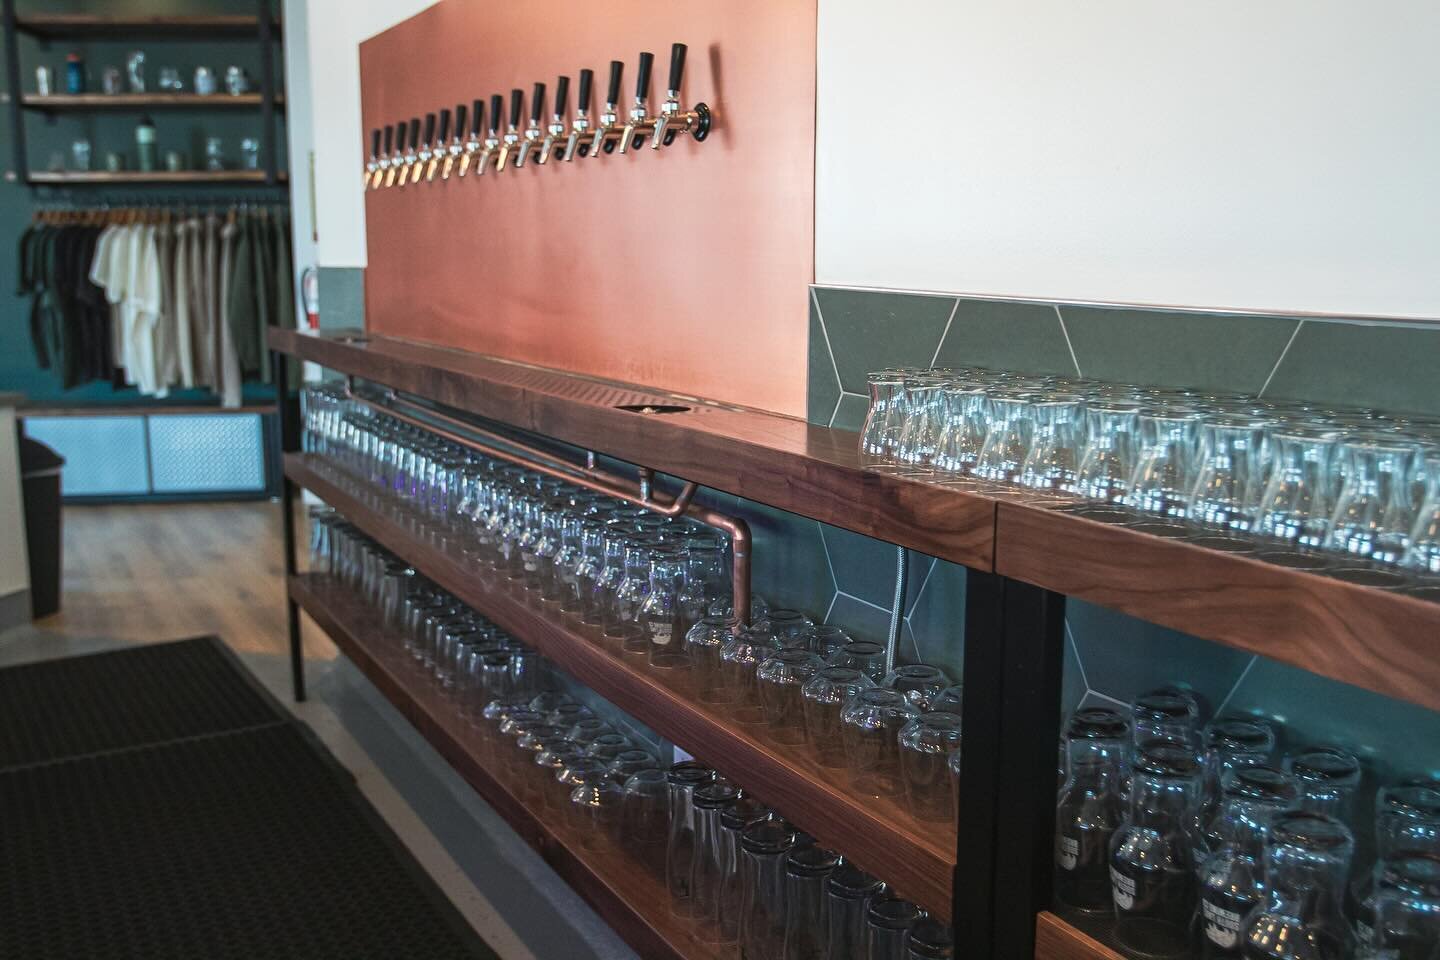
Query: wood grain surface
point(1057, 940)
point(879, 835)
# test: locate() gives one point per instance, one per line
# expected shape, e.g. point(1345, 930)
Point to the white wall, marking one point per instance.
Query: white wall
point(14, 561)
point(300, 140)
point(335, 29)
point(1280, 156)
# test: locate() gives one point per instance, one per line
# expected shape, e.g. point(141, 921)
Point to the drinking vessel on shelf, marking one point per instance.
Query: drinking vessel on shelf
point(1307, 857)
point(1053, 462)
point(829, 639)
point(925, 746)
point(825, 696)
point(707, 868)
point(919, 682)
point(660, 617)
point(596, 803)
point(885, 418)
point(1328, 779)
point(764, 846)
point(645, 819)
point(1108, 466)
point(920, 433)
point(627, 763)
point(867, 656)
point(1298, 499)
point(683, 779)
point(887, 927)
point(779, 679)
point(929, 940)
point(1425, 536)
point(704, 642)
point(1374, 512)
point(1165, 469)
point(730, 903)
point(1089, 808)
point(1008, 440)
point(1165, 714)
point(1153, 868)
point(870, 726)
point(1407, 821)
point(791, 629)
point(739, 658)
point(807, 869)
point(1229, 482)
point(573, 774)
point(550, 761)
point(848, 892)
point(1407, 908)
point(962, 434)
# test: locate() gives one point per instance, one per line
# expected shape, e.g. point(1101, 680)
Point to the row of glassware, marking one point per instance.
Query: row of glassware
point(1199, 843)
point(731, 864)
point(1360, 483)
point(656, 591)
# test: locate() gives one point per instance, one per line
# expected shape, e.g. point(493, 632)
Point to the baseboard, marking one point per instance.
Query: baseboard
point(15, 609)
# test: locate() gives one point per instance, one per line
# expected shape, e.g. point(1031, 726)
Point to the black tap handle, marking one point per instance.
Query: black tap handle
point(389, 138)
point(444, 124)
point(677, 66)
point(375, 142)
point(400, 129)
point(562, 94)
point(537, 104)
point(642, 82)
point(414, 133)
point(460, 113)
point(582, 101)
point(612, 95)
point(429, 128)
point(517, 106)
point(478, 108)
point(497, 111)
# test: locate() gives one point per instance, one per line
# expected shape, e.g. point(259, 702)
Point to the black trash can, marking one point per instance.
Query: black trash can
point(40, 482)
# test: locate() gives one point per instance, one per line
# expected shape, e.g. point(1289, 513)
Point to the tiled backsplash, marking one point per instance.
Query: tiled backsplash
point(1111, 657)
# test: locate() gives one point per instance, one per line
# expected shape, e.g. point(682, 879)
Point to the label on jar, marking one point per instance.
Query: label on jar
point(1067, 852)
point(661, 634)
point(1222, 927)
point(1123, 889)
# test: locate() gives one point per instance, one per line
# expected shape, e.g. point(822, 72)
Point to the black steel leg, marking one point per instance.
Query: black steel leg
point(288, 412)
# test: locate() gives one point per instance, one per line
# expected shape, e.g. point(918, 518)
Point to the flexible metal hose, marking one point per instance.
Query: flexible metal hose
point(897, 610)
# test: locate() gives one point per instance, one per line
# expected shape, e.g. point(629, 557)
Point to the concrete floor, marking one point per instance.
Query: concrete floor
point(137, 574)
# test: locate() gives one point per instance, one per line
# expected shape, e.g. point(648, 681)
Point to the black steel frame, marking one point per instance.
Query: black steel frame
point(21, 173)
point(287, 405)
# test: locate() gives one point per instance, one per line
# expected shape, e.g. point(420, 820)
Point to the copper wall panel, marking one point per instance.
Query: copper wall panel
point(684, 268)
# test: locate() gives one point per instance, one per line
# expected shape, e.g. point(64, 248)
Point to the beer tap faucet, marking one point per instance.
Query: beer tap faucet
point(372, 166)
point(609, 120)
point(512, 132)
point(532, 132)
point(437, 146)
point(456, 145)
point(639, 114)
point(392, 166)
point(672, 119)
point(580, 130)
point(408, 163)
point(492, 137)
point(423, 154)
point(557, 119)
point(472, 143)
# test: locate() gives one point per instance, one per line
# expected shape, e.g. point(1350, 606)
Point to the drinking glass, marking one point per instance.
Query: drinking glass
point(622, 615)
point(704, 643)
point(848, 892)
point(867, 656)
point(1425, 536)
point(1230, 480)
point(1407, 909)
point(1108, 466)
point(829, 639)
point(962, 435)
point(870, 725)
point(920, 434)
point(1297, 502)
point(1009, 437)
point(709, 800)
point(779, 679)
point(550, 761)
point(683, 779)
point(919, 682)
point(925, 746)
point(730, 904)
point(596, 803)
point(1328, 778)
point(531, 744)
point(929, 940)
point(887, 927)
point(607, 746)
point(1230, 743)
point(1374, 512)
point(825, 696)
point(705, 582)
point(570, 777)
point(584, 732)
point(790, 628)
point(1307, 857)
point(1166, 715)
point(661, 619)
point(1165, 469)
point(739, 658)
point(1407, 822)
point(1089, 808)
point(885, 418)
point(764, 845)
point(645, 818)
point(807, 869)
point(627, 763)
point(1056, 448)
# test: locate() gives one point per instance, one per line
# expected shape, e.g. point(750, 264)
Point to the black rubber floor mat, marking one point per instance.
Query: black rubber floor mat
point(253, 843)
point(108, 701)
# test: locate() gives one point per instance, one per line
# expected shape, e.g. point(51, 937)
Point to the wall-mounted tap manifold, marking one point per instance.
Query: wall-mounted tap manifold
point(400, 156)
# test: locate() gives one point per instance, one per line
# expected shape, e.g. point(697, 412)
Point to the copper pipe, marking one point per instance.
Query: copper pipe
point(590, 477)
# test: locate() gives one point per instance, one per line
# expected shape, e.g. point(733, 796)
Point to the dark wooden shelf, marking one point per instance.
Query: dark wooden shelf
point(880, 836)
point(1385, 640)
point(143, 101)
point(71, 178)
point(622, 891)
point(1057, 940)
point(55, 26)
point(772, 459)
point(142, 410)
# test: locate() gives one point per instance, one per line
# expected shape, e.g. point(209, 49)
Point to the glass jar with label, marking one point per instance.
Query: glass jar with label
point(1090, 808)
point(1307, 857)
point(1232, 881)
point(1153, 868)
point(660, 617)
point(764, 846)
point(683, 779)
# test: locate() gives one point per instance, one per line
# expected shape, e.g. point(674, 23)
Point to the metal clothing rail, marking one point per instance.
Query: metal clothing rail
point(587, 475)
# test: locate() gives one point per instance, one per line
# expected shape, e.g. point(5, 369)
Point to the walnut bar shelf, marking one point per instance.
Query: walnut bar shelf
point(55, 26)
point(880, 836)
point(136, 177)
point(1384, 640)
point(629, 898)
point(143, 101)
point(1057, 940)
point(772, 459)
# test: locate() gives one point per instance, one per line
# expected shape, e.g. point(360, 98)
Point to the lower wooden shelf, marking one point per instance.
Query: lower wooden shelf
point(879, 835)
point(626, 894)
point(1057, 940)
